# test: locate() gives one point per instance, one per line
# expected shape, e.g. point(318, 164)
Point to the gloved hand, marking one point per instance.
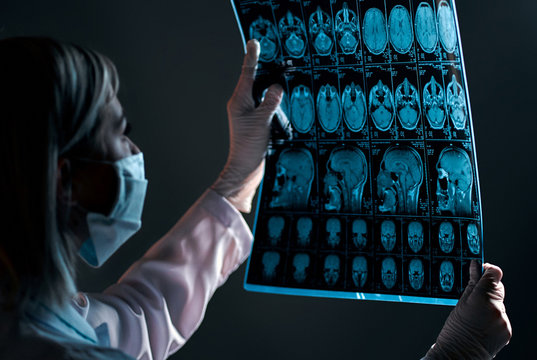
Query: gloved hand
point(478, 327)
point(249, 129)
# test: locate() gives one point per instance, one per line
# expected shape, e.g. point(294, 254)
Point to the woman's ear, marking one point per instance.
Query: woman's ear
point(64, 182)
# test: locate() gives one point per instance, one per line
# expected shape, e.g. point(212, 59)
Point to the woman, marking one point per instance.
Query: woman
point(73, 185)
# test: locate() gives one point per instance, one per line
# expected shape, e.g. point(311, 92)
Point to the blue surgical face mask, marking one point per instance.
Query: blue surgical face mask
point(108, 232)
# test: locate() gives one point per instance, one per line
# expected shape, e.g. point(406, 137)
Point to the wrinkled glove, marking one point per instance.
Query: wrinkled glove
point(478, 327)
point(249, 130)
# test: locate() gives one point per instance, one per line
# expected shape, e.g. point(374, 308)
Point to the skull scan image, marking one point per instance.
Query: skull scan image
point(270, 261)
point(275, 228)
point(446, 237)
point(388, 272)
point(407, 105)
point(354, 107)
point(345, 179)
point(399, 180)
point(293, 35)
point(381, 106)
point(328, 108)
point(434, 104)
point(359, 271)
point(321, 32)
point(301, 262)
point(333, 229)
point(456, 104)
point(264, 31)
point(304, 226)
point(400, 25)
point(455, 180)
point(415, 236)
point(388, 235)
point(472, 236)
point(426, 32)
point(294, 176)
point(359, 233)
point(447, 276)
point(375, 33)
point(446, 26)
point(331, 269)
point(347, 30)
point(302, 109)
point(416, 274)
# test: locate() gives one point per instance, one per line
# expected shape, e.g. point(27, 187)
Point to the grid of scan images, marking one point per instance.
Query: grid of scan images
point(371, 188)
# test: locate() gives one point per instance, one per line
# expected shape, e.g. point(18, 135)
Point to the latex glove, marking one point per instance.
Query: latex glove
point(478, 327)
point(249, 130)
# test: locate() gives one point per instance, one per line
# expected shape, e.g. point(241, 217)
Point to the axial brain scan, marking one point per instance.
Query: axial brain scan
point(416, 274)
point(270, 261)
point(359, 271)
point(388, 272)
point(375, 33)
point(275, 228)
point(304, 226)
point(472, 236)
point(446, 26)
point(302, 109)
point(381, 106)
point(333, 229)
point(388, 235)
point(354, 107)
point(426, 31)
point(263, 30)
point(454, 183)
point(447, 275)
point(359, 233)
point(446, 237)
point(407, 105)
point(331, 269)
point(321, 32)
point(301, 262)
point(347, 30)
point(456, 102)
point(293, 35)
point(415, 236)
point(434, 104)
point(401, 34)
point(328, 108)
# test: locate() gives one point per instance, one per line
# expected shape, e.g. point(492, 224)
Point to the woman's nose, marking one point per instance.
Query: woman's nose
point(134, 149)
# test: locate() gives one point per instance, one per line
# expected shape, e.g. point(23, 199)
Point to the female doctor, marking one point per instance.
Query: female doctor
point(73, 185)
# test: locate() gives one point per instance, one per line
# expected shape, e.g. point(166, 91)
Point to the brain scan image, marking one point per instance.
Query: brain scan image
point(447, 28)
point(456, 104)
point(331, 269)
point(301, 262)
point(381, 106)
point(415, 236)
point(401, 33)
point(446, 237)
point(388, 235)
point(294, 176)
point(455, 181)
point(375, 33)
point(359, 271)
point(399, 180)
point(264, 31)
point(434, 104)
point(416, 274)
point(447, 276)
point(329, 108)
point(275, 228)
point(333, 229)
point(426, 31)
point(270, 261)
point(388, 272)
point(293, 35)
point(354, 107)
point(321, 32)
point(345, 179)
point(407, 105)
point(472, 236)
point(347, 30)
point(359, 233)
point(304, 226)
point(302, 109)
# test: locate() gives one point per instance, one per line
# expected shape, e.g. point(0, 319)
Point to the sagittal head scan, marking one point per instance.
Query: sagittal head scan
point(388, 235)
point(456, 103)
point(388, 272)
point(302, 109)
point(399, 180)
point(416, 274)
point(375, 32)
point(264, 31)
point(415, 236)
point(359, 271)
point(294, 176)
point(359, 233)
point(345, 179)
point(454, 183)
point(381, 106)
point(328, 108)
point(293, 35)
point(270, 261)
point(401, 33)
point(472, 236)
point(347, 30)
point(446, 26)
point(333, 229)
point(321, 32)
point(275, 228)
point(331, 269)
point(354, 107)
point(446, 237)
point(407, 104)
point(304, 225)
point(434, 104)
point(301, 262)
point(426, 30)
point(447, 276)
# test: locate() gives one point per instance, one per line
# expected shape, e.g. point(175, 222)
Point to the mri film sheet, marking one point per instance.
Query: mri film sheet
point(371, 186)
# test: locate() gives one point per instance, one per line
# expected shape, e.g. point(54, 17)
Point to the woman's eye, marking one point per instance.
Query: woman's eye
point(128, 129)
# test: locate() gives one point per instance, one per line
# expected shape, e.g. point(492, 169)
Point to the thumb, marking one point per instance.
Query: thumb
point(272, 99)
point(491, 277)
point(475, 273)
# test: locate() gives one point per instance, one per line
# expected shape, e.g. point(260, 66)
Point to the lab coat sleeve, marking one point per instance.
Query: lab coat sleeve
point(160, 301)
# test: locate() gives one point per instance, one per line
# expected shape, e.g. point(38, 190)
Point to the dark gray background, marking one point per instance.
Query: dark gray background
point(179, 61)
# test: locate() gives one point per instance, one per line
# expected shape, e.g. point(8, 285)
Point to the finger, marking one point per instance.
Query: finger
point(272, 100)
point(492, 273)
point(249, 66)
